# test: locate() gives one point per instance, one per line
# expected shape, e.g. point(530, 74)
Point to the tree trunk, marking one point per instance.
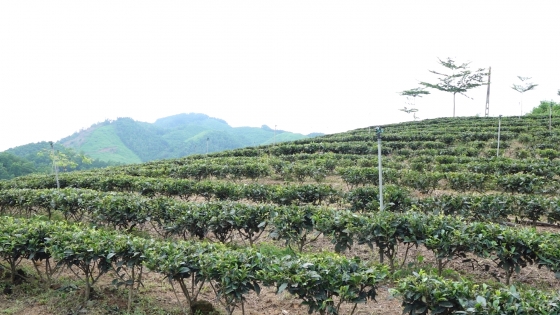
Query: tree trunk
point(509, 273)
point(454, 104)
point(87, 290)
point(521, 105)
point(130, 292)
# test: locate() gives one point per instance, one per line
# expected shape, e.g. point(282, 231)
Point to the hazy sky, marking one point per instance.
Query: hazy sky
point(304, 66)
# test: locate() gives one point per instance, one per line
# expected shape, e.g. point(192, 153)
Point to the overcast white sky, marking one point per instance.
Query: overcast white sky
point(304, 66)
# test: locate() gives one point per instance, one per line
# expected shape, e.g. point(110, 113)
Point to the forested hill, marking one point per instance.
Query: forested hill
point(37, 158)
point(128, 141)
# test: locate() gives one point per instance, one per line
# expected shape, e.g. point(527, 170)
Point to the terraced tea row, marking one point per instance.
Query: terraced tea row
point(448, 237)
point(321, 281)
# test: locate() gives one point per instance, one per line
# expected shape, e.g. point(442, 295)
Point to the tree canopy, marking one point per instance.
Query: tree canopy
point(458, 80)
point(415, 92)
point(544, 108)
point(12, 166)
point(522, 88)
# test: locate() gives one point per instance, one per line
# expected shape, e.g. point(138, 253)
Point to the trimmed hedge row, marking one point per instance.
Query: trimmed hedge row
point(184, 188)
point(322, 281)
point(426, 294)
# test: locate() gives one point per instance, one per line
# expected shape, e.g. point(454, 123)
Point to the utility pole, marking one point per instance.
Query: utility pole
point(487, 110)
point(207, 139)
point(274, 134)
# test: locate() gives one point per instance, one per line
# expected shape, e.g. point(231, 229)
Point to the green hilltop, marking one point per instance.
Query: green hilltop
point(126, 141)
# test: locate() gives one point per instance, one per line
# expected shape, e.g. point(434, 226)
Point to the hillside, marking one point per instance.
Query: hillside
point(298, 226)
point(35, 158)
point(127, 141)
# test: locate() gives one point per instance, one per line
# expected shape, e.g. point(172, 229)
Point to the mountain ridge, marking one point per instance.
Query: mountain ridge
point(126, 141)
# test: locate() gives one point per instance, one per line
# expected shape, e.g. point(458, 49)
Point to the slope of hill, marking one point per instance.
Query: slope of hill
point(35, 158)
point(192, 119)
point(127, 141)
point(461, 223)
point(13, 166)
point(305, 216)
point(104, 143)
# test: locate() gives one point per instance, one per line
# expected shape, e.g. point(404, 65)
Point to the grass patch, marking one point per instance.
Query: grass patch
point(65, 295)
point(270, 250)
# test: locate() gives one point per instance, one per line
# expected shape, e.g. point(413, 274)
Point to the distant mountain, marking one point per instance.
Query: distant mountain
point(128, 141)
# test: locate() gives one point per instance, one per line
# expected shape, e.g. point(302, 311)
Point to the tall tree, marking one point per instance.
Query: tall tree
point(459, 80)
point(522, 88)
point(67, 160)
point(413, 93)
point(410, 110)
point(411, 96)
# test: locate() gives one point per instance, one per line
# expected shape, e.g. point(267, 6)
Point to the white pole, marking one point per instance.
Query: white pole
point(499, 127)
point(379, 130)
point(550, 116)
point(55, 166)
point(521, 105)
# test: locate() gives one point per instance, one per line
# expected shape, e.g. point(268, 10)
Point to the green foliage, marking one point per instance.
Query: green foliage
point(104, 144)
point(140, 138)
point(62, 161)
point(233, 274)
point(526, 86)
point(221, 202)
point(359, 176)
point(550, 154)
point(38, 158)
point(385, 231)
point(423, 293)
point(425, 182)
point(415, 92)
point(465, 181)
point(460, 80)
point(544, 108)
point(365, 199)
point(294, 225)
point(520, 183)
point(318, 279)
point(483, 208)
point(92, 253)
point(12, 166)
point(341, 226)
point(446, 236)
point(228, 168)
point(515, 250)
point(127, 141)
